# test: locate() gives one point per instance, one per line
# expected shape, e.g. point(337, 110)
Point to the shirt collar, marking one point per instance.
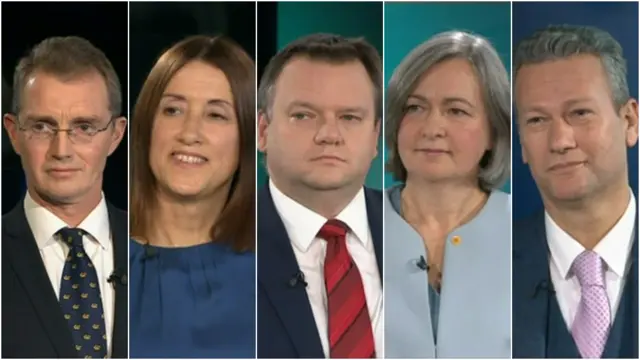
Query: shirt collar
point(614, 248)
point(44, 224)
point(303, 224)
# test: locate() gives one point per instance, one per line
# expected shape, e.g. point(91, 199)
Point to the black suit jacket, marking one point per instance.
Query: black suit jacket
point(286, 326)
point(33, 325)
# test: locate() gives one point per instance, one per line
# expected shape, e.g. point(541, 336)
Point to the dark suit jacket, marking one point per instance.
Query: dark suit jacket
point(286, 327)
point(33, 325)
point(535, 331)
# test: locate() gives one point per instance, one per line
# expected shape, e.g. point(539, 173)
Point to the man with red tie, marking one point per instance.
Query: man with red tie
point(319, 228)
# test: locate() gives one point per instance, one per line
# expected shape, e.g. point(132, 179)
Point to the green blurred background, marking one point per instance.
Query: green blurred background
point(406, 25)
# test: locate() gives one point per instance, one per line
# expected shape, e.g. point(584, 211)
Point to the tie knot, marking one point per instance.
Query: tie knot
point(71, 236)
point(588, 268)
point(333, 229)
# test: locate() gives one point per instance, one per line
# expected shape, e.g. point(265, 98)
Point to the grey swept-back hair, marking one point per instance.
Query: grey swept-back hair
point(66, 58)
point(563, 41)
point(495, 166)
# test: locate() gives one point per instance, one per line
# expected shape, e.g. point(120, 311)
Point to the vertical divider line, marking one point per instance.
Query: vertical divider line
point(511, 77)
point(1, 139)
point(383, 151)
point(255, 174)
point(638, 164)
point(129, 172)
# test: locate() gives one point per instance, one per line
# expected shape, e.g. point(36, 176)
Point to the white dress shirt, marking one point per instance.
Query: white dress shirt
point(614, 249)
point(302, 225)
point(44, 224)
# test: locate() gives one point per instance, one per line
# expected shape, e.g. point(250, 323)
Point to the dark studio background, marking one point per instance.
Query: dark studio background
point(24, 25)
point(617, 18)
point(155, 27)
point(267, 33)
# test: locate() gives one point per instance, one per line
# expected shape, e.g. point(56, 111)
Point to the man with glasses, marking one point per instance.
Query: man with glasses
point(64, 248)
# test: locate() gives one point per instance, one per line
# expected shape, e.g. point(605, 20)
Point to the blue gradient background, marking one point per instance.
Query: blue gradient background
point(621, 21)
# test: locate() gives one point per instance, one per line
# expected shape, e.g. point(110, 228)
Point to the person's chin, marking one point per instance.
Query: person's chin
point(570, 192)
point(326, 182)
point(187, 191)
point(61, 193)
point(431, 174)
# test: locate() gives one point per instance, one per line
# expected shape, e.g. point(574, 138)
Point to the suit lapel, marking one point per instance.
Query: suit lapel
point(118, 222)
point(532, 288)
point(31, 273)
point(276, 266)
point(623, 335)
point(374, 214)
point(627, 347)
point(632, 337)
point(633, 280)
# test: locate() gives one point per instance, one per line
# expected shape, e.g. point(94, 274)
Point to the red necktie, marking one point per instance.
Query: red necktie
point(350, 333)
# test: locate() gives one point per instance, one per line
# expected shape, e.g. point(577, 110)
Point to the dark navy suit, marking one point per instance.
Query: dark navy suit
point(539, 330)
point(32, 321)
point(286, 326)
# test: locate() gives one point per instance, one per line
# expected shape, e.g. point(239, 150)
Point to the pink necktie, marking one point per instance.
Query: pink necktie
point(591, 325)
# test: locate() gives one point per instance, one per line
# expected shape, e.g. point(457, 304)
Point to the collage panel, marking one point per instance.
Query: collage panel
point(575, 180)
point(313, 179)
point(447, 150)
point(319, 180)
point(192, 252)
point(64, 172)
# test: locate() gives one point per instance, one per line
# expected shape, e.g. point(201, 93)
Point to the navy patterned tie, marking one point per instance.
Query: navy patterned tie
point(80, 298)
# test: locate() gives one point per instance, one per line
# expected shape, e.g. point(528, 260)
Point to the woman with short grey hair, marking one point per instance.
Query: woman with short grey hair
point(447, 224)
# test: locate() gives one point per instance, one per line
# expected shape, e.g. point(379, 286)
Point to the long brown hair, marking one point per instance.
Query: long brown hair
point(236, 224)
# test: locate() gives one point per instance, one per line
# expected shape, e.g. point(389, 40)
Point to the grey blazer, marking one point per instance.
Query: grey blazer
point(473, 310)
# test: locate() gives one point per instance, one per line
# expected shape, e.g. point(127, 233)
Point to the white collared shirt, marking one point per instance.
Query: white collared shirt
point(44, 225)
point(614, 249)
point(302, 225)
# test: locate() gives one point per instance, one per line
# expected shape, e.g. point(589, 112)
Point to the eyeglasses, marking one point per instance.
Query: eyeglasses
point(82, 132)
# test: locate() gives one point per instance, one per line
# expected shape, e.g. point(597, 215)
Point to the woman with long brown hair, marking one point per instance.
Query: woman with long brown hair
point(192, 259)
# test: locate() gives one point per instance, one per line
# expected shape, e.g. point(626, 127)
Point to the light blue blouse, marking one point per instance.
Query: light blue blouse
point(471, 317)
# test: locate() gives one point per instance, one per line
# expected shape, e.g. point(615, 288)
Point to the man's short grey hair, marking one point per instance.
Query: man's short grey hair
point(563, 41)
point(495, 166)
point(67, 58)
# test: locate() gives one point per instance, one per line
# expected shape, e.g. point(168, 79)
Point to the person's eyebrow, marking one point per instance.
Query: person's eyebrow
point(179, 97)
